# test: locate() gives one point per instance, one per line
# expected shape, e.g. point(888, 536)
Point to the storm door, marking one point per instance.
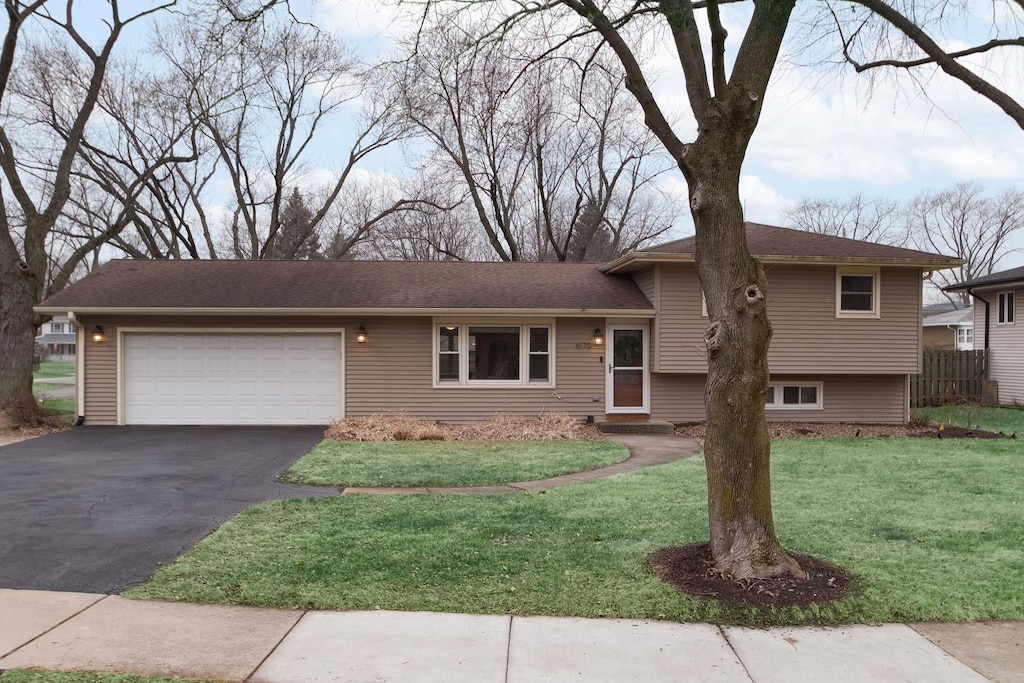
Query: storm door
point(627, 388)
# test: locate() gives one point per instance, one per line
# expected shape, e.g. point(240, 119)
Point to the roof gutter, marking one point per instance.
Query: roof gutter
point(970, 291)
point(79, 367)
point(642, 259)
point(335, 312)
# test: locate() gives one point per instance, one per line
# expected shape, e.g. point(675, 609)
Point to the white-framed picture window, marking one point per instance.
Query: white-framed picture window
point(493, 354)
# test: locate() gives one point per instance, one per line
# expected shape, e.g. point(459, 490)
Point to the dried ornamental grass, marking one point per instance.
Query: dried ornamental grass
point(405, 427)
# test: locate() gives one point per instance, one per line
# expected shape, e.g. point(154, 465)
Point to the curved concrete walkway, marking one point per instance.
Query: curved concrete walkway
point(645, 450)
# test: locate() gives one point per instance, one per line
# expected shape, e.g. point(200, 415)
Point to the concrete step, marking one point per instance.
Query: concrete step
point(637, 427)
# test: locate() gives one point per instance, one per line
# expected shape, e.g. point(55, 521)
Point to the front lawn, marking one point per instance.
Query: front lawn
point(931, 530)
point(989, 418)
point(447, 463)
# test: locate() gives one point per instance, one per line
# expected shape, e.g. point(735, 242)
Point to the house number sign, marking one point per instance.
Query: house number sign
point(584, 345)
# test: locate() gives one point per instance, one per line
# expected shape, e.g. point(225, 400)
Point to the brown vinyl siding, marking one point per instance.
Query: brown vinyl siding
point(100, 378)
point(647, 280)
point(878, 399)
point(391, 372)
point(394, 373)
point(938, 338)
point(1005, 341)
point(807, 334)
point(680, 325)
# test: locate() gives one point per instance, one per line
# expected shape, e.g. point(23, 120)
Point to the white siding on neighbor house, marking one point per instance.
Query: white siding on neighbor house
point(1006, 343)
point(807, 337)
point(878, 399)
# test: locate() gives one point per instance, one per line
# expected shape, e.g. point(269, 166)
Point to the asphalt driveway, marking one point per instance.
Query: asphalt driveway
point(99, 509)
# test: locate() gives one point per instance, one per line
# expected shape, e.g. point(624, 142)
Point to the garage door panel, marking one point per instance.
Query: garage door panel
point(243, 378)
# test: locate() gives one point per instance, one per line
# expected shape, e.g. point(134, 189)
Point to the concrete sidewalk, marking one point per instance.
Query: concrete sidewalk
point(89, 632)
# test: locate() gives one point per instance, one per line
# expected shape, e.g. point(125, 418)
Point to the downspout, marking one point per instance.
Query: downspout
point(79, 368)
point(970, 290)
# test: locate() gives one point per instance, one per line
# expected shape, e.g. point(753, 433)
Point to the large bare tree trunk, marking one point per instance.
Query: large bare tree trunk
point(17, 331)
point(743, 539)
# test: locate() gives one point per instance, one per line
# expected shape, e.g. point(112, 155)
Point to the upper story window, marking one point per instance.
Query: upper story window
point(857, 293)
point(1005, 307)
point(469, 354)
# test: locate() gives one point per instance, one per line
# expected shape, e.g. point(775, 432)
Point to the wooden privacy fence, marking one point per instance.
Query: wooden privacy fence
point(949, 376)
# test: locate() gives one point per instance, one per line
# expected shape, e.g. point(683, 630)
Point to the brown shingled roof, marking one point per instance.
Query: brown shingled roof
point(1000, 278)
point(341, 285)
point(771, 242)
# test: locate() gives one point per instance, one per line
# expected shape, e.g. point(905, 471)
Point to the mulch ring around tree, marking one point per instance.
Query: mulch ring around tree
point(691, 569)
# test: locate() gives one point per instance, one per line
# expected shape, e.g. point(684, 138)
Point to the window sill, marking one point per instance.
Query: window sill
point(858, 316)
point(492, 385)
point(804, 407)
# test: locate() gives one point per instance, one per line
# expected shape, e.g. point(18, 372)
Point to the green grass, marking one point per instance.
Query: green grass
point(446, 463)
point(55, 368)
point(64, 406)
point(26, 676)
point(931, 530)
point(991, 419)
point(40, 387)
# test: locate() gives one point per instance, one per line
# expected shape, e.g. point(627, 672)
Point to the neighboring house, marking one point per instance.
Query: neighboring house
point(272, 342)
point(997, 309)
point(950, 330)
point(57, 339)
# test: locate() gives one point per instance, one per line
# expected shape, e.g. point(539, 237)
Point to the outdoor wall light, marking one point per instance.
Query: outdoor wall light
point(361, 335)
point(97, 334)
point(598, 337)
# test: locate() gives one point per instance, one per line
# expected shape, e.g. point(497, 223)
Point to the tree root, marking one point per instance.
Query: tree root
point(777, 564)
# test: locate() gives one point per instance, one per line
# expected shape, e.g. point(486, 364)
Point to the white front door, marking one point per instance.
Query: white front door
point(628, 385)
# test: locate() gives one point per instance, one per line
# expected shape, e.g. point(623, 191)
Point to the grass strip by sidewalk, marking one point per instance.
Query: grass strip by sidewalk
point(989, 418)
point(931, 529)
point(31, 676)
point(448, 463)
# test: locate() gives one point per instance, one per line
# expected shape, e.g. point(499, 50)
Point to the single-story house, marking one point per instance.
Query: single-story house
point(997, 306)
point(949, 330)
point(56, 339)
point(302, 342)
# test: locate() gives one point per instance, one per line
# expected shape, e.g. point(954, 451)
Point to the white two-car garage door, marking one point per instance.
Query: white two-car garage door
point(232, 379)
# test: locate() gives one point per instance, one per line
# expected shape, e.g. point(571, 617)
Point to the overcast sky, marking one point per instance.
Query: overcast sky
point(819, 136)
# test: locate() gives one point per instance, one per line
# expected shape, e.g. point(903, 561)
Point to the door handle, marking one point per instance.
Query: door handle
point(609, 368)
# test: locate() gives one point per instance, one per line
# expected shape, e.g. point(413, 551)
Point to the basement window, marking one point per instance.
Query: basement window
point(794, 397)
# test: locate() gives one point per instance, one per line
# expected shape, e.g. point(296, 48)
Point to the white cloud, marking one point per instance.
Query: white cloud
point(761, 202)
